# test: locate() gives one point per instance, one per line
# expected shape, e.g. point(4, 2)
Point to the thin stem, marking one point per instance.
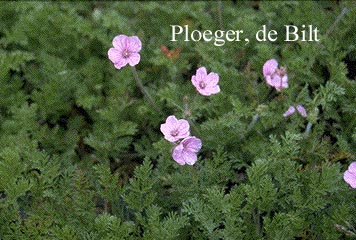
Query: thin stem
point(220, 15)
point(194, 126)
point(344, 11)
point(253, 122)
point(187, 110)
point(194, 174)
point(143, 90)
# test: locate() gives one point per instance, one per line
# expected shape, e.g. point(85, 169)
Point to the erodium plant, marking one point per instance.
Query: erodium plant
point(109, 130)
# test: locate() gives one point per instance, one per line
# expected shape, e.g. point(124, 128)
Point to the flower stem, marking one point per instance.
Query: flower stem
point(253, 122)
point(143, 90)
point(342, 14)
point(220, 15)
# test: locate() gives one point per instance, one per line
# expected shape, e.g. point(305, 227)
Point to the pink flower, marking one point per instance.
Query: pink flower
point(125, 51)
point(186, 151)
point(206, 84)
point(175, 129)
point(275, 77)
point(291, 110)
point(350, 175)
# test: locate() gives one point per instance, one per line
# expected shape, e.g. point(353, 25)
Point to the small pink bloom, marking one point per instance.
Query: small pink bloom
point(125, 51)
point(275, 77)
point(206, 84)
point(301, 110)
point(289, 112)
point(350, 175)
point(175, 129)
point(186, 151)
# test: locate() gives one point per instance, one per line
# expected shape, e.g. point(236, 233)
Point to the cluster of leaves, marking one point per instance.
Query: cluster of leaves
point(81, 155)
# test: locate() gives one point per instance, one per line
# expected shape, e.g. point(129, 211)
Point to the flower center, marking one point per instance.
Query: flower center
point(202, 85)
point(125, 53)
point(174, 133)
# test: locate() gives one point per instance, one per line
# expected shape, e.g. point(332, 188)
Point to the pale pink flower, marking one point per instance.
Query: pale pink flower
point(206, 84)
point(175, 129)
point(350, 175)
point(186, 151)
point(275, 77)
point(291, 110)
point(125, 51)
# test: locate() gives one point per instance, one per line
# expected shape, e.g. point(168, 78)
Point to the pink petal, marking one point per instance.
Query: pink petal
point(178, 154)
point(352, 168)
point(134, 44)
point(289, 112)
point(192, 144)
point(213, 90)
point(285, 81)
point(168, 126)
point(301, 110)
point(183, 128)
point(134, 59)
point(269, 67)
point(115, 55)
point(120, 42)
point(201, 74)
point(276, 81)
point(189, 157)
point(171, 120)
point(120, 64)
point(195, 81)
point(213, 79)
point(350, 178)
point(203, 92)
point(165, 129)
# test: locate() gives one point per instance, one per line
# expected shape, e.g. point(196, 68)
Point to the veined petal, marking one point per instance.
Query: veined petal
point(269, 67)
point(178, 154)
point(213, 79)
point(213, 90)
point(189, 157)
point(350, 178)
point(134, 44)
point(120, 42)
point(134, 59)
point(192, 144)
point(183, 127)
point(121, 63)
point(201, 74)
point(115, 55)
point(171, 120)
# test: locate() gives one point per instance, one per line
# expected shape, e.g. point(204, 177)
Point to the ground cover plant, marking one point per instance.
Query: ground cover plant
point(109, 130)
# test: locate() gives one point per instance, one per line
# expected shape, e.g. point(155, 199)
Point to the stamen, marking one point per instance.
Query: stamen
point(174, 133)
point(202, 85)
point(125, 53)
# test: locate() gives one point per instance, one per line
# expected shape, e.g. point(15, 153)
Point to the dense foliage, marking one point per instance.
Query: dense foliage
point(82, 155)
